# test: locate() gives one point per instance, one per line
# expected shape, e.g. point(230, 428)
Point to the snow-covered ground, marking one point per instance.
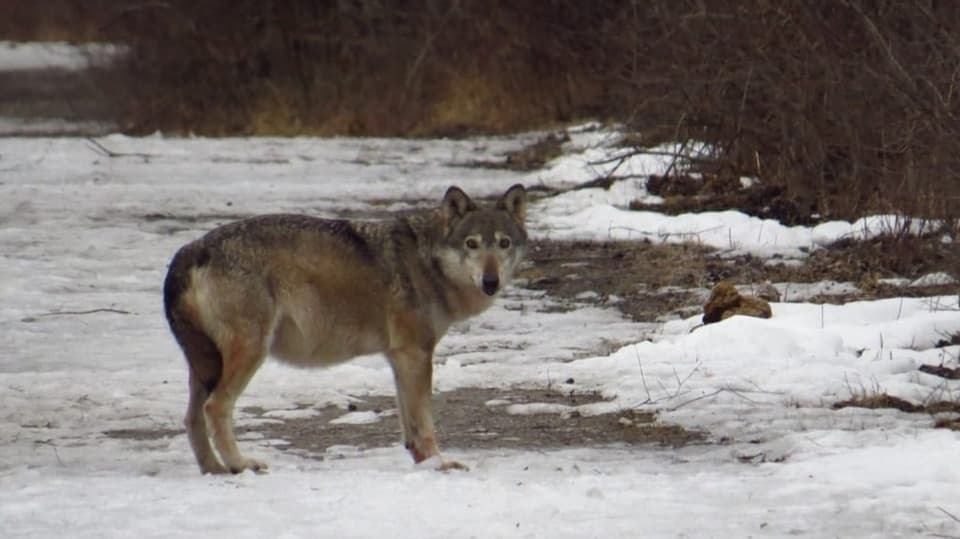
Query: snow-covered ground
point(84, 348)
point(81, 231)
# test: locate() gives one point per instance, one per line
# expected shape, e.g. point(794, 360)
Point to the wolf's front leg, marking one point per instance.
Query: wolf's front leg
point(413, 372)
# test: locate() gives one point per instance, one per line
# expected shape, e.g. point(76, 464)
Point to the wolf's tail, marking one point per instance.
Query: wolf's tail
point(203, 356)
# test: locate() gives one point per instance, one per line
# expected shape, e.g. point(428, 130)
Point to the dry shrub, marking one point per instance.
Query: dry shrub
point(851, 105)
point(53, 20)
point(362, 67)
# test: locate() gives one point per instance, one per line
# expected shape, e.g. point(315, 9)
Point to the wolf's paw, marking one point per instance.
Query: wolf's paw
point(253, 465)
point(447, 465)
point(441, 464)
point(213, 468)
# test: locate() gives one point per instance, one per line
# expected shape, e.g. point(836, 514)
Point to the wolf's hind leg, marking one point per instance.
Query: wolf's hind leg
point(196, 425)
point(204, 362)
point(241, 359)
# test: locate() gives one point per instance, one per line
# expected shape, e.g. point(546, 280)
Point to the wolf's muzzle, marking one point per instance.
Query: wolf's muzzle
point(490, 285)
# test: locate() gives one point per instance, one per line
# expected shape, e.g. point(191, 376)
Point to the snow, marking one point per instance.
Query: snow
point(84, 349)
point(357, 418)
point(934, 279)
point(603, 214)
point(598, 214)
point(15, 56)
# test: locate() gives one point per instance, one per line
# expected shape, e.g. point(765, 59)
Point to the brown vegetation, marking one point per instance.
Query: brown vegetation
point(54, 20)
point(850, 105)
point(365, 67)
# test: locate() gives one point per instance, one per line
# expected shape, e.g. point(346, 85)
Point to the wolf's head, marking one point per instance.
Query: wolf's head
point(482, 246)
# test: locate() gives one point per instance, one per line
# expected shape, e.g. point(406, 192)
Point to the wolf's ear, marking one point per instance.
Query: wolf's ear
point(515, 202)
point(456, 203)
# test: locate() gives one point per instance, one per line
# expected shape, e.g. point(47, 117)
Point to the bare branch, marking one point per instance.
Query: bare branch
point(75, 313)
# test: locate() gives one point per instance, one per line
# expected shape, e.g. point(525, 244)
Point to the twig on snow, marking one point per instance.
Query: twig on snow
point(676, 393)
point(952, 517)
point(643, 378)
point(90, 311)
point(949, 514)
point(76, 313)
point(712, 394)
point(107, 152)
point(51, 444)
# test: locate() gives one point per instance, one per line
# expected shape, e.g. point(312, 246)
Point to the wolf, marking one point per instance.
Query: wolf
point(315, 292)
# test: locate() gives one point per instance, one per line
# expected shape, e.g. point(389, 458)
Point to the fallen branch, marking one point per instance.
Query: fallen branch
point(107, 152)
point(952, 517)
point(735, 392)
point(76, 313)
point(669, 396)
point(949, 514)
point(91, 311)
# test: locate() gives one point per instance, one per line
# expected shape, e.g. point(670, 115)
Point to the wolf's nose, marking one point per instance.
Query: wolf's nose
point(490, 285)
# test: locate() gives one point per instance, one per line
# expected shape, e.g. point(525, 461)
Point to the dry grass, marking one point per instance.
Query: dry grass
point(878, 401)
point(275, 113)
point(474, 103)
point(75, 21)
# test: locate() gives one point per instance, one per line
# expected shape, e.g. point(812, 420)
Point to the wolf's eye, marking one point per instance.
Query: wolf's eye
point(472, 243)
point(505, 243)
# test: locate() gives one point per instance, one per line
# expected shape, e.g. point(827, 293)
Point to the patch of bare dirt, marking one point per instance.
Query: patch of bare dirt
point(143, 435)
point(474, 418)
point(630, 275)
point(465, 420)
point(883, 400)
point(878, 401)
point(941, 371)
point(651, 281)
point(952, 424)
